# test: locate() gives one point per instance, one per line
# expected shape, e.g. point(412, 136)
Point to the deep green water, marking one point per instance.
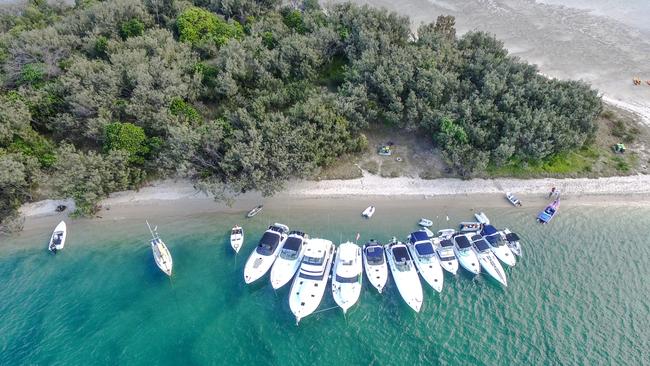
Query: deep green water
point(578, 296)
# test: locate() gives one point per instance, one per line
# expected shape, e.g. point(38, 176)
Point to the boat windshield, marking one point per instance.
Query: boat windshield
point(462, 242)
point(481, 244)
point(236, 231)
point(288, 254)
point(446, 243)
point(315, 261)
point(315, 277)
point(293, 243)
point(268, 243)
point(402, 258)
point(424, 249)
point(550, 210)
point(375, 255)
point(494, 239)
point(512, 237)
point(418, 236)
point(347, 279)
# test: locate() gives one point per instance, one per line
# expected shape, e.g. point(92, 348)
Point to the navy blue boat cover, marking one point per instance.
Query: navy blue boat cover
point(424, 249)
point(462, 241)
point(418, 236)
point(488, 230)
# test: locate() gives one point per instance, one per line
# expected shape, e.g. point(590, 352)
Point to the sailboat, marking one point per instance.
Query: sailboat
point(160, 252)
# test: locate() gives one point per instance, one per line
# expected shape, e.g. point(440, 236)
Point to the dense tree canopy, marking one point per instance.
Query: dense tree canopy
point(241, 95)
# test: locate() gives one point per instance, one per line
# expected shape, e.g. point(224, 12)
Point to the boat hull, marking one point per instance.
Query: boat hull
point(468, 260)
point(162, 256)
point(283, 271)
point(407, 282)
point(59, 235)
point(505, 255)
point(377, 273)
point(491, 265)
point(429, 269)
point(346, 294)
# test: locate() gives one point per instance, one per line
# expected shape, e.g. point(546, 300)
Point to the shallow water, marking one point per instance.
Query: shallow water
point(578, 296)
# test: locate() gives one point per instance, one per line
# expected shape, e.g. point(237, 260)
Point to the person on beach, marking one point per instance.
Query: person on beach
point(552, 192)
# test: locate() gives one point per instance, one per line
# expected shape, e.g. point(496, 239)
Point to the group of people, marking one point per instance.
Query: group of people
point(638, 81)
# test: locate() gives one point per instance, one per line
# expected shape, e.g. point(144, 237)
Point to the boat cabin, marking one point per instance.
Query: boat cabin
point(462, 242)
point(268, 243)
point(375, 255)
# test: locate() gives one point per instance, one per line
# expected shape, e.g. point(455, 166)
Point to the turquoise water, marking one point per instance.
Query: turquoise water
point(578, 296)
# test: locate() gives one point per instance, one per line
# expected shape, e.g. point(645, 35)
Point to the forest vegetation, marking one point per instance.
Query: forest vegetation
point(242, 95)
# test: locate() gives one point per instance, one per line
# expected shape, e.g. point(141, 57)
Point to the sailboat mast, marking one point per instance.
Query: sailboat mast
point(154, 236)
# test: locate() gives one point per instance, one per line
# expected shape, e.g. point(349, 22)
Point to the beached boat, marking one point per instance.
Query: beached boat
point(57, 241)
point(161, 254)
point(426, 259)
point(498, 246)
point(374, 263)
point(488, 260)
point(469, 227)
point(288, 261)
point(425, 222)
point(254, 211)
point(263, 256)
point(464, 253)
point(347, 275)
point(549, 212)
point(429, 233)
point(482, 218)
point(512, 239)
point(236, 238)
point(445, 249)
point(309, 285)
point(404, 273)
point(514, 200)
point(368, 212)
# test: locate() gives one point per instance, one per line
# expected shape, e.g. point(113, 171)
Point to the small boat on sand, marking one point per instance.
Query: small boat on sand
point(482, 218)
point(236, 238)
point(368, 212)
point(57, 241)
point(425, 222)
point(549, 212)
point(514, 200)
point(254, 211)
point(469, 227)
point(160, 252)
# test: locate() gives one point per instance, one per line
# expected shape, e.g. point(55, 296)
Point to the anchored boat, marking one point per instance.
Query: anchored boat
point(57, 241)
point(161, 254)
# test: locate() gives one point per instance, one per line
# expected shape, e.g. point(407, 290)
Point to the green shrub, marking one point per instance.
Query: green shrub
point(197, 26)
point(32, 74)
point(179, 107)
point(131, 28)
point(127, 137)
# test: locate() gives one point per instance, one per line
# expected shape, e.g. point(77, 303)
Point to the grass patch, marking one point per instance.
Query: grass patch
point(561, 164)
point(371, 166)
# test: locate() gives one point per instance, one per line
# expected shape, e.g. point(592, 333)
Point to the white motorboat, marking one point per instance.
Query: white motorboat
point(57, 241)
point(428, 232)
point(262, 258)
point(445, 249)
point(498, 246)
point(309, 285)
point(288, 260)
point(375, 265)
point(514, 200)
point(470, 227)
point(512, 240)
point(236, 238)
point(425, 222)
point(368, 212)
point(347, 275)
point(405, 274)
point(488, 260)
point(446, 233)
point(464, 253)
point(161, 254)
point(254, 211)
point(482, 218)
point(425, 259)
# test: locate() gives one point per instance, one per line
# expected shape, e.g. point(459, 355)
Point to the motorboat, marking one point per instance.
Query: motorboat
point(498, 246)
point(488, 260)
point(469, 227)
point(514, 200)
point(374, 263)
point(464, 253)
point(427, 231)
point(482, 218)
point(512, 240)
point(288, 261)
point(425, 222)
point(309, 285)
point(426, 259)
point(446, 233)
point(236, 238)
point(347, 275)
point(368, 212)
point(161, 254)
point(263, 256)
point(57, 241)
point(445, 249)
point(549, 212)
point(254, 211)
point(404, 273)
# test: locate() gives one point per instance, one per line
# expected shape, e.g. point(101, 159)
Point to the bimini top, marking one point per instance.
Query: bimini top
point(480, 243)
point(268, 243)
point(512, 237)
point(401, 254)
point(293, 243)
point(488, 230)
point(424, 248)
point(418, 236)
point(462, 241)
point(446, 243)
point(375, 254)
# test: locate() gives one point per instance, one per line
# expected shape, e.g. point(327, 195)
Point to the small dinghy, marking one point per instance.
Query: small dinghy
point(254, 211)
point(236, 238)
point(549, 212)
point(368, 212)
point(514, 200)
point(470, 227)
point(57, 241)
point(374, 262)
point(425, 222)
point(482, 218)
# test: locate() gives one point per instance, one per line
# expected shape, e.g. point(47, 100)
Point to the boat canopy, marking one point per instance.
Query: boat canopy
point(400, 253)
point(493, 238)
point(446, 243)
point(512, 237)
point(268, 243)
point(375, 254)
point(424, 248)
point(488, 230)
point(418, 236)
point(293, 243)
point(480, 243)
point(462, 241)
